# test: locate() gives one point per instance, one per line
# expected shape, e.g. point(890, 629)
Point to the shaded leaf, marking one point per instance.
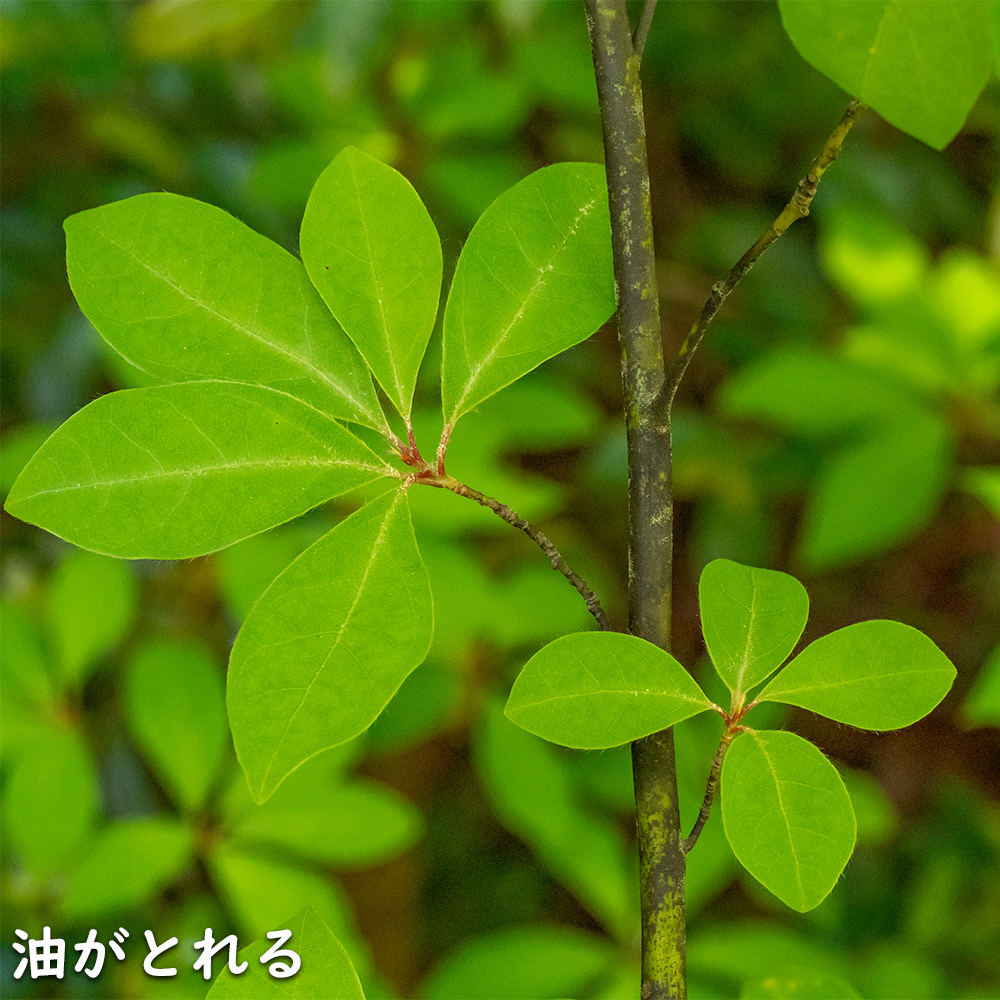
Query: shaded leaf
point(186, 292)
point(799, 984)
point(982, 706)
point(751, 619)
point(535, 277)
point(373, 252)
point(326, 969)
point(787, 816)
point(594, 690)
point(176, 708)
point(876, 675)
point(920, 65)
point(180, 470)
point(329, 643)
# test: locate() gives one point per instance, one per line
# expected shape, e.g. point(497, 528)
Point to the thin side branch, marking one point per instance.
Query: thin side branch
point(642, 28)
point(797, 208)
point(713, 781)
point(555, 558)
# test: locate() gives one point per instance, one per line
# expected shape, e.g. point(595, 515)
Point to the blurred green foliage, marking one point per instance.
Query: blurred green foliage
point(841, 421)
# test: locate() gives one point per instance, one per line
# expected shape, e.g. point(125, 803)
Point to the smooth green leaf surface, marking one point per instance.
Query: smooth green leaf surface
point(186, 292)
point(535, 277)
point(751, 618)
point(90, 603)
point(594, 690)
point(176, 707)
point(787, 816)
point(351, 825)
point(920, 65)
point(522, 963)
point(130, 861)
point(875, 675)
point(373, 252)
point(326, 969)
point(329, 643)
point(51, 800)
point(799, 984)
point(180, 470)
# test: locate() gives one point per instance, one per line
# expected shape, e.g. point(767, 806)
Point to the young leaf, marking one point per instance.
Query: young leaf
point(920, 65)
point(186, 292)
point(751, 618)
point(787, 816)
point(329, 643)
point(180, 470)
point(176, 708)
point(594, 690)
point(326, 969)
point(373, 252)
point(535, 277)
point(874, 675)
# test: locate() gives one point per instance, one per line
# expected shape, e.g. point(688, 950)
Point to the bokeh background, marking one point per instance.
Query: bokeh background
point(841, 422)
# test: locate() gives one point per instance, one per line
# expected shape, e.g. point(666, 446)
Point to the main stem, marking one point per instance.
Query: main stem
point(661, 855)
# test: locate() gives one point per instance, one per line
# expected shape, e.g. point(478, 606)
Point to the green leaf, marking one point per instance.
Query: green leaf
point(522, 963)
point(176, 708)
point(594, 690)
point(180, 470)
point(186, 292)
point(982, 706)
point(351, 826)
point(920, 65)
point(534, 277)
point(90, 604)
point(129, 863)
point(787, 816)
point(50, 800)
point(799, 984)
point(874, 675)
point(373, 252)
point(329, 643)
point(326, 969)
point(533, 793)
point(751, 618)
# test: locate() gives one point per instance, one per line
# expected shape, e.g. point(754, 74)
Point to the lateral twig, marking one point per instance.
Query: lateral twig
point(642, 28)
point(713, 781)
point(797, 208)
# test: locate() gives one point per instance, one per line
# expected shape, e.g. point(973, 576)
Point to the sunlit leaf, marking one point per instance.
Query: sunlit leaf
point(90, 604)
point(329, 643)
point(875, 675)
point(799, 984)
point(128, 863)
point(373, 252)
point(184, 291)
point(326, 968)
point(920, 65)
point(176, 707)
point(180, 470)
point(787, 816)
point(535, 277)
point(751, 619)
point(594, 690)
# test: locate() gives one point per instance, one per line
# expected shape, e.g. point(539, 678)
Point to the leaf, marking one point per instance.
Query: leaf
point(180, 470)
point(921, 66)
point(186, 292)
point(751, 618)
point(176, 708)
point(329, 643)
point(50, 799)
point(326, 968)
point(594, 690)
point(875, 675)
point(534, 796)
point(982, 706)
point(799, 984)
point(91, 603)
point(877, 491)
point(128, 864)
point(787, 816)
point(353, 825)
point(535, 277)
point(373, 252)
point(522, 963)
